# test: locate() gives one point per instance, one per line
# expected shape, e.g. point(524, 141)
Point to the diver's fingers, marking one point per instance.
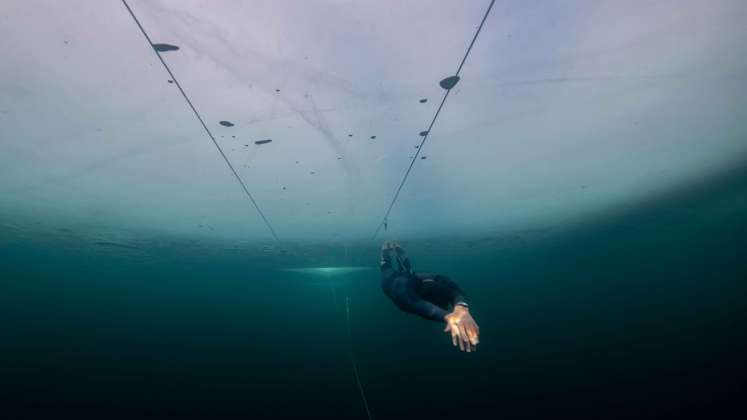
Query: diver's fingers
point(470, 334)
point(473, 334)
point(471, 337)
point(465, 337)
point(447, 327)
point(454, 336)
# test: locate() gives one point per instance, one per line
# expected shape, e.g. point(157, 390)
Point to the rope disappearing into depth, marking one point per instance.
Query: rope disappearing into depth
point(353, 361)
point(207, 130)
point(350, 346)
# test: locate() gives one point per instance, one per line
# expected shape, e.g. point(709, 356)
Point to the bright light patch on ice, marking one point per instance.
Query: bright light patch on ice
point(327, 271)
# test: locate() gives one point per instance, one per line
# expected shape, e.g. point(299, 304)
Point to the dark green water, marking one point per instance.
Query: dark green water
point(636, 314)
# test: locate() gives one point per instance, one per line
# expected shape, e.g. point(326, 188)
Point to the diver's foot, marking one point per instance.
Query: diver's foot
point(391, 252)
point(387, 245)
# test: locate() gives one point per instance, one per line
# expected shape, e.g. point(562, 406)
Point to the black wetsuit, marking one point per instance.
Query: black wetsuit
point(431, 296)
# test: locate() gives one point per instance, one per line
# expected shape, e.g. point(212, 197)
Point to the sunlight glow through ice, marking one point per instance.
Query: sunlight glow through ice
point(565, 110)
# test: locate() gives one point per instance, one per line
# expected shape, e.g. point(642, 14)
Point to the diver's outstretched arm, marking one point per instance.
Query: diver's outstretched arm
point(463, 328)
point(459, 322)
point(424, 309)
point(435, 284)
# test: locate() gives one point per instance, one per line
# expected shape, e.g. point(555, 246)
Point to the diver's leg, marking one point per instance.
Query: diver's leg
point(395, 258)
point(403, 259)
point(387, 261)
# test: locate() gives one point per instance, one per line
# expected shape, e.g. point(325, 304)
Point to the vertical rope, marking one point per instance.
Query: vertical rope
point(353, 361)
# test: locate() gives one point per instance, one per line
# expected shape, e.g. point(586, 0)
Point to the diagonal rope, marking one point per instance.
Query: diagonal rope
point(433, 121)
point(199, 118)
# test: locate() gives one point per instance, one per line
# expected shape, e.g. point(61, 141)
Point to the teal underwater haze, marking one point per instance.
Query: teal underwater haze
point(637, 315)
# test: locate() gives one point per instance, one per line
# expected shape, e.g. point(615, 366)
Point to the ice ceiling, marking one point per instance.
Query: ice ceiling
point(565, 110)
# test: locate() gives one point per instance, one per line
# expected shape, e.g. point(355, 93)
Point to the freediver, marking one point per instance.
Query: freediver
point(430, 296)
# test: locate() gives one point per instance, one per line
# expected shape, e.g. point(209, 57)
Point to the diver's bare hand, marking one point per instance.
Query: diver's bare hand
point(463, 328)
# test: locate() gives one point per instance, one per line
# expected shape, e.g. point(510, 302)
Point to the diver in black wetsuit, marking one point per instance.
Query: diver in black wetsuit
point(431, 296)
